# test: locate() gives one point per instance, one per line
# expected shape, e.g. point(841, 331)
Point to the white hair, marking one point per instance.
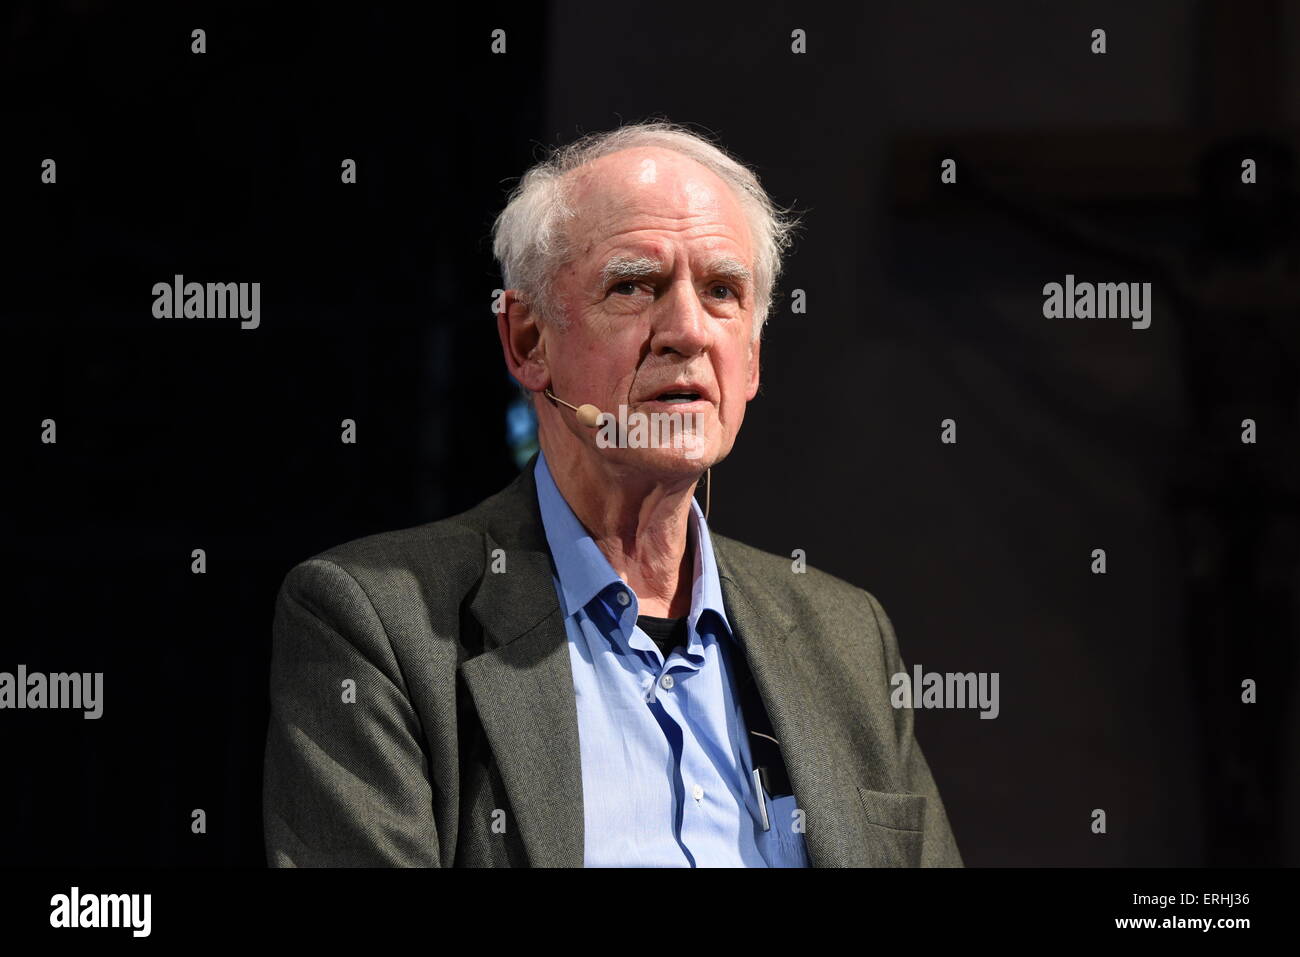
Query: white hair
point(530, 237)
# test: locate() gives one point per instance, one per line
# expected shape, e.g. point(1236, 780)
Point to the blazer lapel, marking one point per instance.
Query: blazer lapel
point(835, 834)
point(522, 683)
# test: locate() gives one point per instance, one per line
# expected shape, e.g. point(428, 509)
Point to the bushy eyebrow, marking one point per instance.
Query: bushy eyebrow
point(732, 269)
point(623, 268)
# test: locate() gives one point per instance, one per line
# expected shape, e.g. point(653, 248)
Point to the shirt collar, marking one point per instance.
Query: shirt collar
point(584, 571)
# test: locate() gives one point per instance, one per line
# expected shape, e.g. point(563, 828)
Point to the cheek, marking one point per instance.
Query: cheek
point(734, 400)
point(606, 364)
point(738, 372)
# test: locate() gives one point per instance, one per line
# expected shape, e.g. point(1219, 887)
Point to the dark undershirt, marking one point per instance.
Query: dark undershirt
point(668, 633)
point(671, 633)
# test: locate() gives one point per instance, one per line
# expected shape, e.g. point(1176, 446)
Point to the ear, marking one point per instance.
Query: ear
point(522, 342)
point(751, 388)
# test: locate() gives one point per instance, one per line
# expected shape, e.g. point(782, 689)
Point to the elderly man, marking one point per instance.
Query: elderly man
point(576, 671)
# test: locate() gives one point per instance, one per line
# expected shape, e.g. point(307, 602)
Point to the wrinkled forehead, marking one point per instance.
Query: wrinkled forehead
point(651, 188)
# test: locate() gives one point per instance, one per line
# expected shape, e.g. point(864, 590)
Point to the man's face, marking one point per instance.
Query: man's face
point(659, 298)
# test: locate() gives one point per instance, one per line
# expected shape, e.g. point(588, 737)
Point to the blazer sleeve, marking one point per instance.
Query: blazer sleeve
point(940, 846)
point(346, 778)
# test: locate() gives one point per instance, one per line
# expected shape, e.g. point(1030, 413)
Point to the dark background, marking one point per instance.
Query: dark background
point(1119, 692)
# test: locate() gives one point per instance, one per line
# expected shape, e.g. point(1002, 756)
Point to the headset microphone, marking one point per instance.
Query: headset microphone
point(589, 416)
point(587, 413)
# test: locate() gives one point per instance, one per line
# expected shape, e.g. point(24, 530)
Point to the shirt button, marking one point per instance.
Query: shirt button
point(666, 681)
point(622, 598)
point(698, 792)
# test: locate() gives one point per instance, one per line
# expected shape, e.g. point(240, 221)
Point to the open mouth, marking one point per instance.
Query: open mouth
point(678, 397)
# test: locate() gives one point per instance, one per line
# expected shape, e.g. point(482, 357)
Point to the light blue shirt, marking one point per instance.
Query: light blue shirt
point(666, 772)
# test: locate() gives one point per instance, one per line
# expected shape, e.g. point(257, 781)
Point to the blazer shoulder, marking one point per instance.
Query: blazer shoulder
point(444, 557)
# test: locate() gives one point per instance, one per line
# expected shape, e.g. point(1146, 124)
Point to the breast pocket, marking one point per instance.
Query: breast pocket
point(782, 842)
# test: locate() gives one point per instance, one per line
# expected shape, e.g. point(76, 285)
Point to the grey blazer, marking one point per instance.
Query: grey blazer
point(423, 712)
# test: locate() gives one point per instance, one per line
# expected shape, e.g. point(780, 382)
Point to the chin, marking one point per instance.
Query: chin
point(671, 462)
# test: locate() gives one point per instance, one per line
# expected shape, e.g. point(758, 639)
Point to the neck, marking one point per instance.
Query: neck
point(640, 524)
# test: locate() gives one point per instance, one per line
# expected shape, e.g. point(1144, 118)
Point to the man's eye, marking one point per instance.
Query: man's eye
point(625, 288)
point(726, 291)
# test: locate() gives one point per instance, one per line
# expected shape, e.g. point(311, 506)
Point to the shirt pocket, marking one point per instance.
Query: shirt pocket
point(783, 845)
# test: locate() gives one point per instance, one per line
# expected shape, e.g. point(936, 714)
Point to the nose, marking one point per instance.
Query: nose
point(681, 323)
